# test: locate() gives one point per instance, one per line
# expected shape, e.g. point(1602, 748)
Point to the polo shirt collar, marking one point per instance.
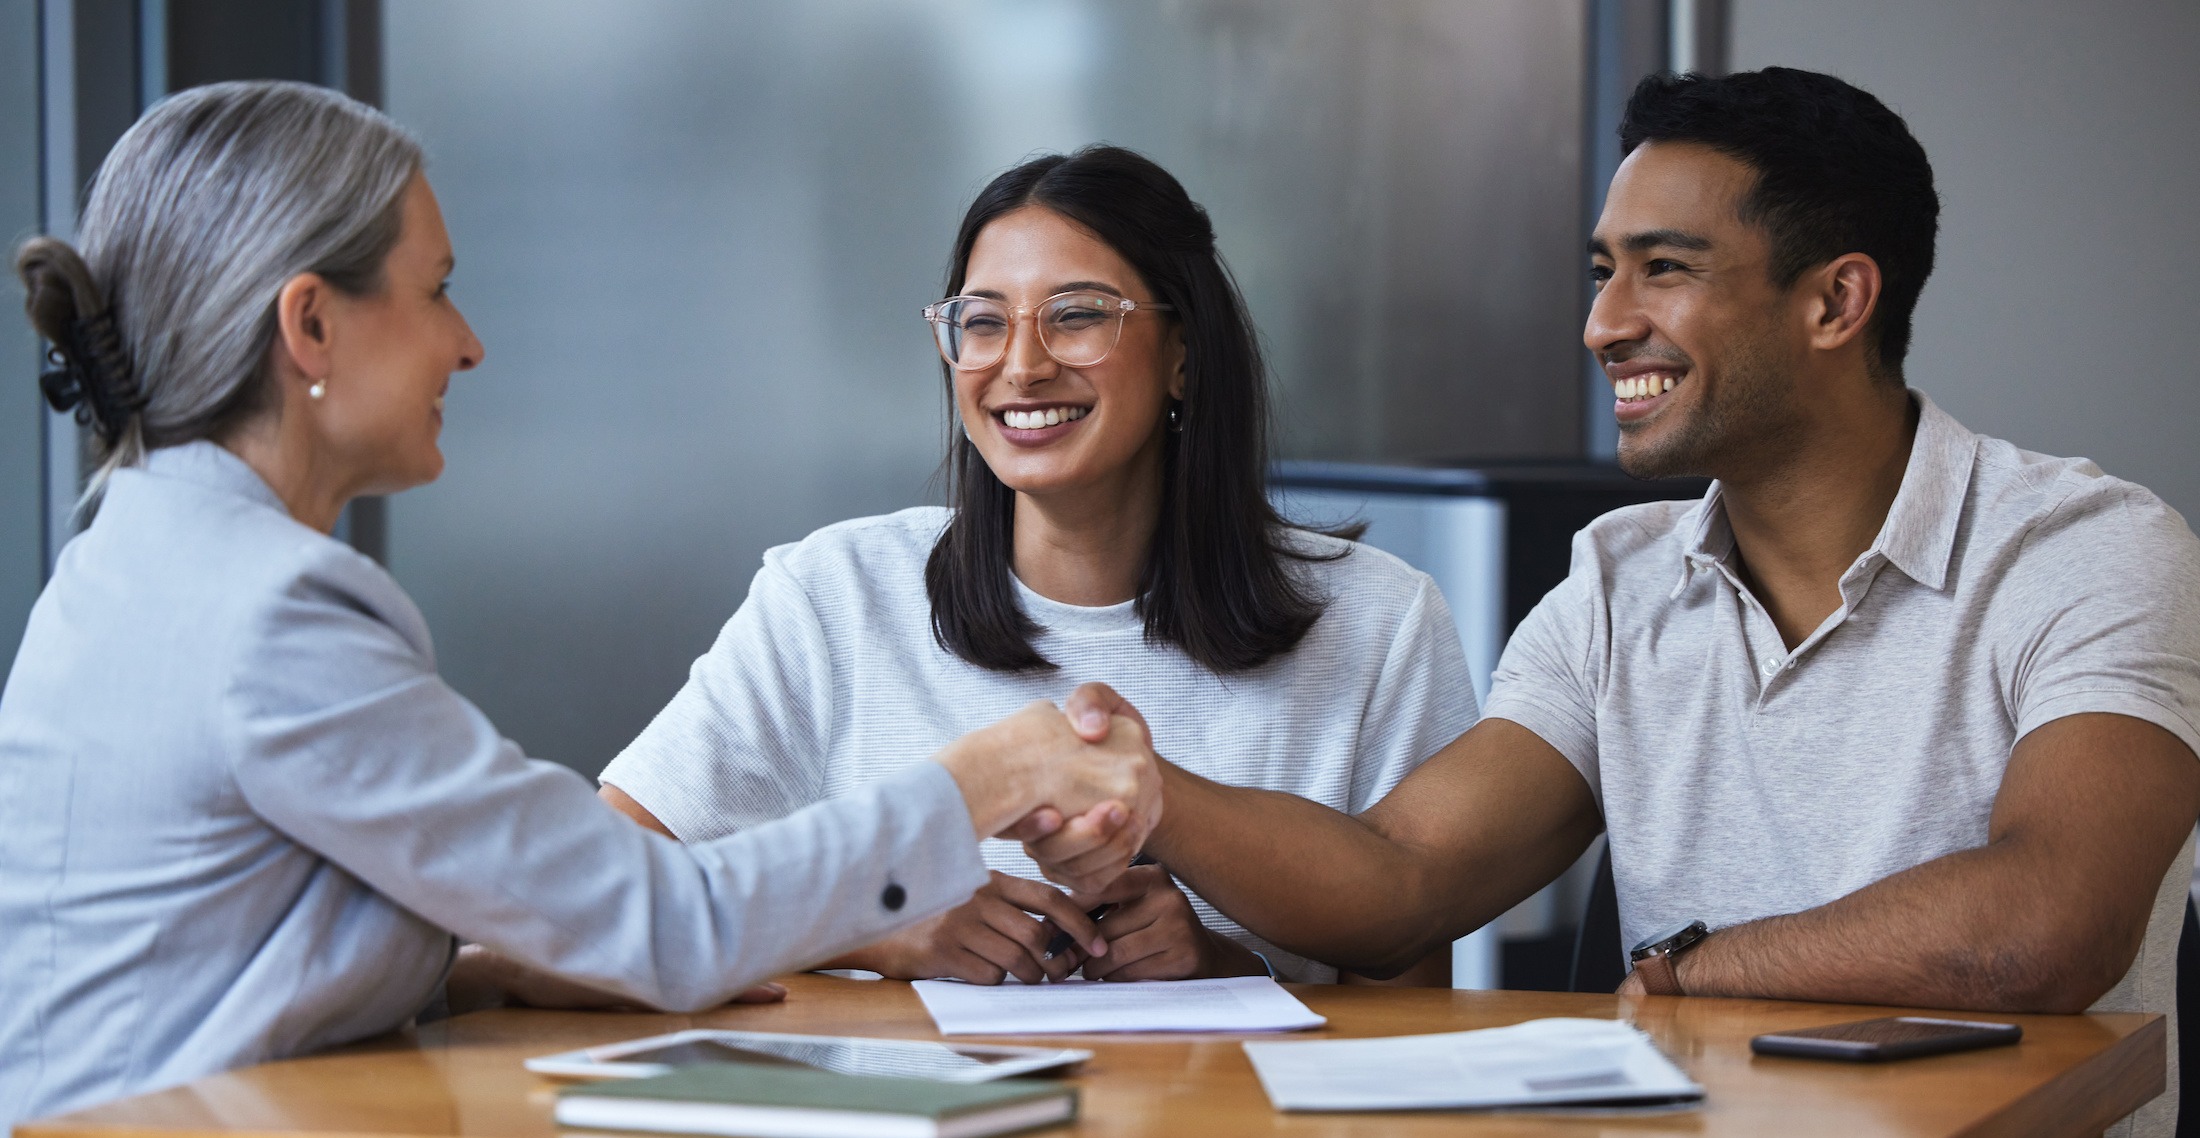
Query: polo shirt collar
point(1919, 535)
point(1710, 538)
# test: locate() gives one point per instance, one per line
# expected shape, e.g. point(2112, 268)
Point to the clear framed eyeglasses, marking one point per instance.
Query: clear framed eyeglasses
point(1078, 329)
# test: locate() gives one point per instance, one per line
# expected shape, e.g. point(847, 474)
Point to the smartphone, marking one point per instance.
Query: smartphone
point(1893, 1037)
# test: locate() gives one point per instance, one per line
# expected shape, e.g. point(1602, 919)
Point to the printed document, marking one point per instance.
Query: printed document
point(1545, 1062)
point(1235, 1003)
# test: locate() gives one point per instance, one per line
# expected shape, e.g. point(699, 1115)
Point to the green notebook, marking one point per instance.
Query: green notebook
point(783, 1102)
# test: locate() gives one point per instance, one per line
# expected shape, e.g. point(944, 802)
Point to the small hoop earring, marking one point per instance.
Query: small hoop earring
point(1176, 418)
point(319, 389)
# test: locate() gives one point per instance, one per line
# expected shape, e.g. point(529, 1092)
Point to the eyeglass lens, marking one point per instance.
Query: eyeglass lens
point(1077, 329)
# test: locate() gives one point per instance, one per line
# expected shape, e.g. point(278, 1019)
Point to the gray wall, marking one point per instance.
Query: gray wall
point(20, 518)
point(695, 236)
point(2063, 135)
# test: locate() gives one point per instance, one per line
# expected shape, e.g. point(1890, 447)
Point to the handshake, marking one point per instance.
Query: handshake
point(1079, 785)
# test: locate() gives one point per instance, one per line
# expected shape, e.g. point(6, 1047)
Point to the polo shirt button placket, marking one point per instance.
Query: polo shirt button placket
point(1771, 666)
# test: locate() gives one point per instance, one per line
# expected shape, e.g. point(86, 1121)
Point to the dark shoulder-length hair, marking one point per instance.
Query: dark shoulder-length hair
point(1217, 583)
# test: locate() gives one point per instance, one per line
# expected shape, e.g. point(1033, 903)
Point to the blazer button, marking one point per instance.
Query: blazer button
point(894, 898)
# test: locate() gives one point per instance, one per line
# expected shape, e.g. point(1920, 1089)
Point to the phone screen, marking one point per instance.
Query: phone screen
point(1895, 1030)
point(912, 1059)
point(1889, 1037)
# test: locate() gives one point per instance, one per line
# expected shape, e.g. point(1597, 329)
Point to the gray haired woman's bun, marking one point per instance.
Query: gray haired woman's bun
point(161, 316)
point(87, 369)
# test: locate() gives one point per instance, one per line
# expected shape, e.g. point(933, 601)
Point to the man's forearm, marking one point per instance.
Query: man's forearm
point(1485, 822)
point(1308, 878)
point(2047, 916)
point(1226, 957)
point(1958, 932)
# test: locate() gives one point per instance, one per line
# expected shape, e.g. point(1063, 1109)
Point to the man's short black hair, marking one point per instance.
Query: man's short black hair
point(1837, 172)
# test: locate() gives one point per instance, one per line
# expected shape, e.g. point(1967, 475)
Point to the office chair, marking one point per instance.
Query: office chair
point(2188, 1023)
point(1600, 960)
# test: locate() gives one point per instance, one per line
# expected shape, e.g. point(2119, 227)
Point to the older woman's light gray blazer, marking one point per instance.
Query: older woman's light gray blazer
point(241, 818)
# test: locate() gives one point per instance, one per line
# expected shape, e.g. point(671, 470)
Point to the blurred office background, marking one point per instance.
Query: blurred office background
point(694, 235)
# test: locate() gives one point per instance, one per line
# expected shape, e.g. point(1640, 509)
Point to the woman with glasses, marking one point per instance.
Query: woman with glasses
point(241, 817)
point(1109, 522)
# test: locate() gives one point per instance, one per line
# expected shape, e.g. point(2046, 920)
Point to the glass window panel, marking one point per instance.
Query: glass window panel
point(695, 235)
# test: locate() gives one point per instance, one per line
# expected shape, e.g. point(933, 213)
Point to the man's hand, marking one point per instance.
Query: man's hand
point(1153, 934)
point(1091, 706)
point(1021, 774)
point(1002, 931)
point(1085, 853)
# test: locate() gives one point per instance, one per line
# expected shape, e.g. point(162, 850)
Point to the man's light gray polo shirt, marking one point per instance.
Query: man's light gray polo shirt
point(1741, 780)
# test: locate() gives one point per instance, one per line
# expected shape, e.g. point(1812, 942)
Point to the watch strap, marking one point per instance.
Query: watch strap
point(1658, 976)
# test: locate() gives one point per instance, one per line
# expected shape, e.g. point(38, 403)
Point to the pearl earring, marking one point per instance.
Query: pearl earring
point(319, 389)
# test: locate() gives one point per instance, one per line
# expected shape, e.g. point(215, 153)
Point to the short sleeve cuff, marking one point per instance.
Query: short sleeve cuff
point(1566, 731)
point(2114, 703)
point(672, 801)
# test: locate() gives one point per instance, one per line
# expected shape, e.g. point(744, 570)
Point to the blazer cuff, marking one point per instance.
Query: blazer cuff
point(937, 866)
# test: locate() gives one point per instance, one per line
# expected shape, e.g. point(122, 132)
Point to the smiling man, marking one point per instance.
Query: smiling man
point(1896, 714)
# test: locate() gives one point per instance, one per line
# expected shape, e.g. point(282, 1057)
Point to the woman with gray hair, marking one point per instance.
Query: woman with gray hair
point(241, 817)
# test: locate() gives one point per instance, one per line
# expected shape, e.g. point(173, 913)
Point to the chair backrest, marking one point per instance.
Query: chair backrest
point(2188, 1023)
point(1600, 960)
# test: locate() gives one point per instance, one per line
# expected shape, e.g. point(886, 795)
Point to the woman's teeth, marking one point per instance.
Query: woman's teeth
point(1034, 420)
point(1643, 387)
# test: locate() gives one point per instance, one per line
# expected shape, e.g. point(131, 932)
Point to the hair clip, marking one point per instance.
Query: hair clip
point(91, 375)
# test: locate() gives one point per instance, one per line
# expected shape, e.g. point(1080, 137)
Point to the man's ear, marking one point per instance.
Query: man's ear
point(303, 342)
point(1844, 295)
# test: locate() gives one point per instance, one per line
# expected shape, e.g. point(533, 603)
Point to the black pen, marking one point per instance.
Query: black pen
point(1063, 940)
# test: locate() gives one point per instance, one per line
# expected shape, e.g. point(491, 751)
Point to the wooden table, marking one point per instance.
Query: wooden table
point(2070, 1075)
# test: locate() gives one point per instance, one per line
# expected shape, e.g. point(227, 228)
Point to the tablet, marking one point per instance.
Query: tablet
point(845, 1055)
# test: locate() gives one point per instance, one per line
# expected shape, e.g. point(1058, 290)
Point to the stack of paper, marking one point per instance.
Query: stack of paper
point(1542, 1062)
point(1236, 1003)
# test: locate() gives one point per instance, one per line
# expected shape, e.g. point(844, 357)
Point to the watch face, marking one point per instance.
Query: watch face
point(1677, 937)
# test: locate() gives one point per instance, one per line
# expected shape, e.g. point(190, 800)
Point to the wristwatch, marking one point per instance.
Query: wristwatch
point(1654, 957)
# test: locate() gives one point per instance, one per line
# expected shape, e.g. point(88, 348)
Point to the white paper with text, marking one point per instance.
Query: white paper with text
point(1545, 1062)
point(1235, 1003)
